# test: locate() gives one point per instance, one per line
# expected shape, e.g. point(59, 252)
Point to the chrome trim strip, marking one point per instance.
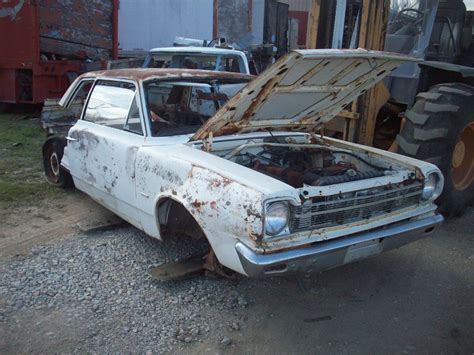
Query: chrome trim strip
point(256, 264)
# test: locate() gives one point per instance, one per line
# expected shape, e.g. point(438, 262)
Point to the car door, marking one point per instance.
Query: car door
point(103, 145)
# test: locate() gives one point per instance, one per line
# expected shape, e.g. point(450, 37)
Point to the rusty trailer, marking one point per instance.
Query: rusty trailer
point(49, 43)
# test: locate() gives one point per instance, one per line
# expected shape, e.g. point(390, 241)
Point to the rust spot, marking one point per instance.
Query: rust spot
point(214, 205)
point(216, 183)
point(251, 212)
point(145, 74)
point(254, 237)
point(198, 204)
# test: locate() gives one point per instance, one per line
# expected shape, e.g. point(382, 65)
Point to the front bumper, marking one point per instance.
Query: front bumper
point(344, 250)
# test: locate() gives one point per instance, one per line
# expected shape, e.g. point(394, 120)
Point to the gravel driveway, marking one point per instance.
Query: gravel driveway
point(93, 293)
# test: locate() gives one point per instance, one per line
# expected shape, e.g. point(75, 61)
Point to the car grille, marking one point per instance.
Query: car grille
point(323, 212)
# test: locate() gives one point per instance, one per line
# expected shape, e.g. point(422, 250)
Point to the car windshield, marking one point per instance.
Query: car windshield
point(176, 108)
point(229, 63)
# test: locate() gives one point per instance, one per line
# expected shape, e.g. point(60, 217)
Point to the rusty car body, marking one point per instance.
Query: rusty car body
point(269, 194)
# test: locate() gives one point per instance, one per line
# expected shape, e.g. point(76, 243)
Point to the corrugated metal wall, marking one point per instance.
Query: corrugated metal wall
point(148, 24)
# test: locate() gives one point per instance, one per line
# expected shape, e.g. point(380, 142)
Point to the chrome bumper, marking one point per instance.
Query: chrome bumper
point(332, 253)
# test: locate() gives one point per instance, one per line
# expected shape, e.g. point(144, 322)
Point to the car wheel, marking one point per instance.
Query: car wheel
point(56, 175)
point(440, 129)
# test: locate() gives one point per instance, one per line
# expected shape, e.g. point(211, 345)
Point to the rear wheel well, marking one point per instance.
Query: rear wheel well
point(173, 219)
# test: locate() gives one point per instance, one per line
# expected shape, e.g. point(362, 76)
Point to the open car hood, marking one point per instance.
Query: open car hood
point(301, 91)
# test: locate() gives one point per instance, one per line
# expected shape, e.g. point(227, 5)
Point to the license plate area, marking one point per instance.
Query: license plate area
point(363, 250)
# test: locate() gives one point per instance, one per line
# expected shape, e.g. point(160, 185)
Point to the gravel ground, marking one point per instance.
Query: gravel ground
point(93, 294)
point(101, 281)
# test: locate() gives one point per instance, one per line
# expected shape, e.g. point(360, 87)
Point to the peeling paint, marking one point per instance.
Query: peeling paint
point(131, 174)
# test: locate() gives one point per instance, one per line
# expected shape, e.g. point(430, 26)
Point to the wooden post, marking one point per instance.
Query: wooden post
point(374, 21)
point(313, 24)
point(115, 20)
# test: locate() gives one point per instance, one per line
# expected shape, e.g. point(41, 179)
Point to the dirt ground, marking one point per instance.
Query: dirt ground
point(25, 227)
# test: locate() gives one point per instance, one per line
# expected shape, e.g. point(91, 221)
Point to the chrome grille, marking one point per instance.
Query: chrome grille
point(323, 212)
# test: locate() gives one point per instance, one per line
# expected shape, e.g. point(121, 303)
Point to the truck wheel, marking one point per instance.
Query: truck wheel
point(53, 151)
point(440, 129)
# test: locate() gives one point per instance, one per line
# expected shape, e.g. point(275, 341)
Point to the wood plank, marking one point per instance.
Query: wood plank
point(313, 24)
point(374, 22)
point(73, 50)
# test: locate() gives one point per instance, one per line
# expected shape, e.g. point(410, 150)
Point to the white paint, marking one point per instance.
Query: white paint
point(11, 11)
point(227, 200)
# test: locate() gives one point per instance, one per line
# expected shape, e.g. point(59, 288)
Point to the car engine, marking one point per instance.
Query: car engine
point(308, 166)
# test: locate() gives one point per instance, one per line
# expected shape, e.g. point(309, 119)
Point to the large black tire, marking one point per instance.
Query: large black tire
point(56, 175)
point(440, 129)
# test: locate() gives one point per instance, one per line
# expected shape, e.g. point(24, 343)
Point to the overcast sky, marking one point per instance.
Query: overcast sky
point(469, 4)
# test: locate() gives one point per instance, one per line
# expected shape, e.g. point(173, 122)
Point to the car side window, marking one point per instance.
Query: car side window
point(76, 103)
point(109, 103)
point(134, 123)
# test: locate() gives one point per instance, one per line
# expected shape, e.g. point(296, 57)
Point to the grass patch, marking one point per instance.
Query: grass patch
point(22, 179)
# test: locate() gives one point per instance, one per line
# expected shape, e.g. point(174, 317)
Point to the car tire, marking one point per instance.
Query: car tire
point(56, 175)
point(440, 129)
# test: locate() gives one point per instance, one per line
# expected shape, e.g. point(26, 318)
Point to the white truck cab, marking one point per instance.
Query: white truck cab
point(203, 58)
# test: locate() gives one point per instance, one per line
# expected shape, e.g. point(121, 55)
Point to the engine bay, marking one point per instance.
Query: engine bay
point(299, 165)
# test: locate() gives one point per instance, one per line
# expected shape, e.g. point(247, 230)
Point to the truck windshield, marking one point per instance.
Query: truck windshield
point(229, 63)
point(410, 26)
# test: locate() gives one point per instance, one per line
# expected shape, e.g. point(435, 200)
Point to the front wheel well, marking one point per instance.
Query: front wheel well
point(173, 218)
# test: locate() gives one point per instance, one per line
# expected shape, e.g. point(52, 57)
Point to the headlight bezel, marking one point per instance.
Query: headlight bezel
point(284, 230)
point(434, 190)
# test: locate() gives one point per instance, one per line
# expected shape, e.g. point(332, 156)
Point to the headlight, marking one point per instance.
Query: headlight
point(277, 215)
point(433, 187)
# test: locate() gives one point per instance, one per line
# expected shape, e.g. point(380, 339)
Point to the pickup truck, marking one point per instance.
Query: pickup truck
point(204, 58)
point(253, 177)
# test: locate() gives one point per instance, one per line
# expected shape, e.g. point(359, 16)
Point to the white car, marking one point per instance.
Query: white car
point(269, 194)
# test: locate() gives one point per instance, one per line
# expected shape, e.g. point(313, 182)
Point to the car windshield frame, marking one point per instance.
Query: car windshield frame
point(188, 82)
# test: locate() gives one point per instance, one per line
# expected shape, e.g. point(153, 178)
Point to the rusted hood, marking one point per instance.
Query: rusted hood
point(301, 91)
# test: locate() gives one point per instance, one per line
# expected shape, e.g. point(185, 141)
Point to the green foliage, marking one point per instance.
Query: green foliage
point(21, 167)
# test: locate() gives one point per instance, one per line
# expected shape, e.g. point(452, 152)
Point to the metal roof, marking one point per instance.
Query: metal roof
point(141, 74)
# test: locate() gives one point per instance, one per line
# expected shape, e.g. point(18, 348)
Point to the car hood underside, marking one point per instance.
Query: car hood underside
point(301, 91)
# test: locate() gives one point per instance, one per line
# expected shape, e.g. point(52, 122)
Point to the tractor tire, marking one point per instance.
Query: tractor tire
point(439, 129)
point(56, 175)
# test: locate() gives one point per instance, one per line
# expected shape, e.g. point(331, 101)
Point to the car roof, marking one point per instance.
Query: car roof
point(143, 74)
point(205, 50)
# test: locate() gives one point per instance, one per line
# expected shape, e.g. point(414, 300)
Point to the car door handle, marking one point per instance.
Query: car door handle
point(70, 139)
